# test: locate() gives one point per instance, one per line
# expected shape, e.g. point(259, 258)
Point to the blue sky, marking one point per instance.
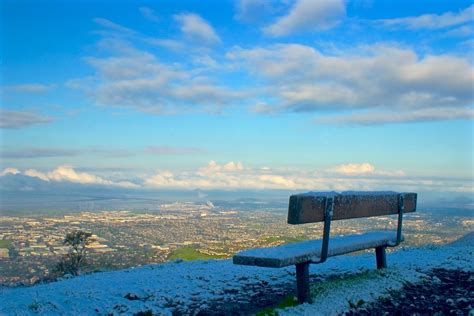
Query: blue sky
point(247, 94)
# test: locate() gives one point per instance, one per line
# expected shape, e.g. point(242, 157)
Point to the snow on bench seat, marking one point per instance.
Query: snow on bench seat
point(294, 253)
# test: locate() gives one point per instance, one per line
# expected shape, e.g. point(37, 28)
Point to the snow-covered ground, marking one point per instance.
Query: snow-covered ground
point(218, 285)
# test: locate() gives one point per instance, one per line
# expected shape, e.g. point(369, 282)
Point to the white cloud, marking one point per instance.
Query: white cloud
point(461, 31)
point(36, 174)
point(170, 44)
point(233, 166)
point(263, 108)
point(234, 175)
point(300, 78)
point(252, 11)
point(38, 152)
point(364, 80)
point(433, 21)
point(21, 119)
point(114, 26)
point(30, 88)
point(196, 28)
point(129, 77)
point(68, 174)
point(149, 14)
point(9, 171)
point(172, 150)
point(215, 168)
point(354, 168)
point(387, 117)
point(309, 15)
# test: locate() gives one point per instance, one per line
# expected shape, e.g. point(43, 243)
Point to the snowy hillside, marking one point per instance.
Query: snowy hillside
point(219, 286)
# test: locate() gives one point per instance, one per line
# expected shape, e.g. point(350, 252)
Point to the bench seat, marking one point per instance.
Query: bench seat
point(306, 251)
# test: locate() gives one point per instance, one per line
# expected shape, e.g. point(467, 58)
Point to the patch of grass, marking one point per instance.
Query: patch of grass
point(294, 239)
point(320, 289)
point(288, 301)
point(5, 243)
point(189, 254)
point(284, 239)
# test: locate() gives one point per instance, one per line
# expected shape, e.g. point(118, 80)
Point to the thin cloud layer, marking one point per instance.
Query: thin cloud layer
point(22, 119)
point(308, 16)
point(432, 21)
point(195, 28)
point(114, 26)
point(389, 117)
point(30, 88)
point(172, 150)
point(252, 11)
point(108, 152)
point(149, 14)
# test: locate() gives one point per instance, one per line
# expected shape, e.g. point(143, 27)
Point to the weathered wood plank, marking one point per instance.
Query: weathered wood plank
point(309, 207)
point(310, 250)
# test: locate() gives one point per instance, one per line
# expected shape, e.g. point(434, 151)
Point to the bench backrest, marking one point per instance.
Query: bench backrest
point(310, 207)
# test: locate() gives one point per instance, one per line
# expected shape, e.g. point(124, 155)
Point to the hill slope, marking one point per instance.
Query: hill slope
point(219, 286)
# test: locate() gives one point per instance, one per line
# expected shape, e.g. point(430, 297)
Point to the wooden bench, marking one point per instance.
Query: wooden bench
point(325, 207)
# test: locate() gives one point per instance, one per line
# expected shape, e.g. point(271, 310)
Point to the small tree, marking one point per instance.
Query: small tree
point(76, 258)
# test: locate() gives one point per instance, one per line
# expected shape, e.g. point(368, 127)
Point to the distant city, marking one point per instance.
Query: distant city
point(30, 246)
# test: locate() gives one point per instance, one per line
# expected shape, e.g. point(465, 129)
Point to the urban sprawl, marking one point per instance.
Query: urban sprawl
point(31, 246)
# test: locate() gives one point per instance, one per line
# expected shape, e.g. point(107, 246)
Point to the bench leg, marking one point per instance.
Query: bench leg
point(302, 282)
point(381, 257)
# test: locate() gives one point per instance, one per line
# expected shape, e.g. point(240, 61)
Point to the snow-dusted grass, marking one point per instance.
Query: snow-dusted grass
point(335, 294)
point(199, 285)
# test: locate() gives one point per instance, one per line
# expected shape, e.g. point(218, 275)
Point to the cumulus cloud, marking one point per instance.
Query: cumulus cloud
point(365, 81)
point(196, 28)
point(303, 79)
point(234, 175)
point(30, 88)
point(355, 169)
point(432, 21)
point(309, 15)
point(68, 174)
point(9, 171)
point(215, 168)
point(134, 78)
point(21, 119)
